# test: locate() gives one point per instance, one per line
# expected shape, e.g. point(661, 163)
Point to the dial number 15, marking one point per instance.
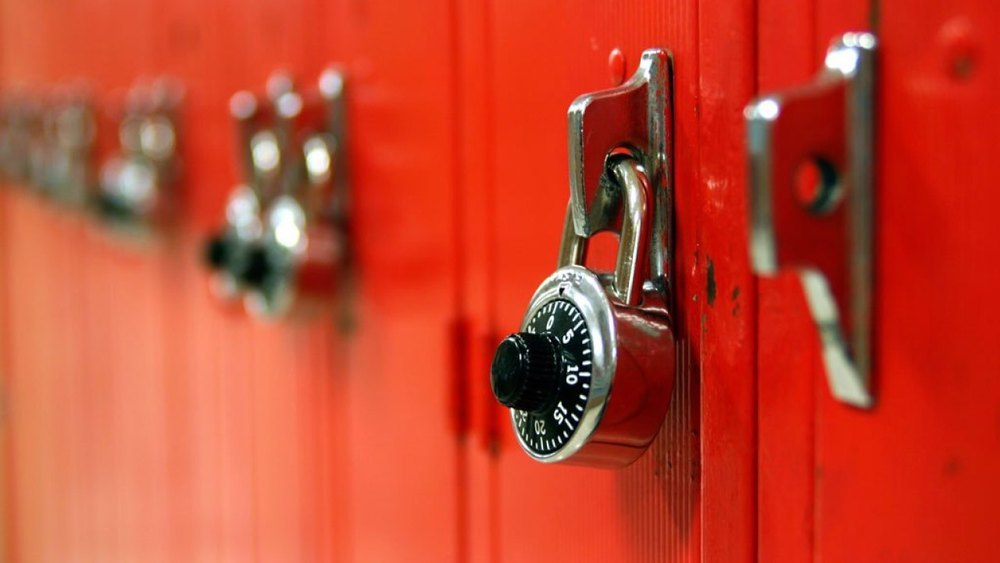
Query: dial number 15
point(560, 413)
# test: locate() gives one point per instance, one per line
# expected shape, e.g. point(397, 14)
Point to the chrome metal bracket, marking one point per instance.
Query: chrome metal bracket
point(823, 229)
point(637, 116)
point(20, 133)
point(63, 165)
point(138, 181)
point(331, 88)
point(287, 224)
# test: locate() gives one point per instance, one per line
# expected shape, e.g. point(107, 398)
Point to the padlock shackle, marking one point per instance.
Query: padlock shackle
point(631, 267)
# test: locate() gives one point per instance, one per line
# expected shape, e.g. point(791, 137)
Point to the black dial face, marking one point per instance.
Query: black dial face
point(546, 431)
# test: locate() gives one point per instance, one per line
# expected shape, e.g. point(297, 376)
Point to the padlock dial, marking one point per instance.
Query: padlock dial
point(548, 398)
point(526, 371)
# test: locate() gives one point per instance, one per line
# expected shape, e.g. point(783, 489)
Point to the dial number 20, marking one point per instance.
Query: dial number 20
point(539, 426)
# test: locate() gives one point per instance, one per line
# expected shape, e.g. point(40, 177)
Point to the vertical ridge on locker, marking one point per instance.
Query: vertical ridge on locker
point(7, 365)
point(829, 18)
point(459, 304)
point(6, 484)
point(786, 55)
point(726, 79)
point(405, 274)
point(473, 83)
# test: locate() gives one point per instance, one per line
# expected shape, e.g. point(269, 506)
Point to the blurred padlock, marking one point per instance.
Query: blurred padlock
point(61, 160)
point(283, 242)
point(20, 130)
point(138, 181)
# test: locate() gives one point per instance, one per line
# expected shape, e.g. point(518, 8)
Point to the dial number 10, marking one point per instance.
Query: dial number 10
point(571, 374)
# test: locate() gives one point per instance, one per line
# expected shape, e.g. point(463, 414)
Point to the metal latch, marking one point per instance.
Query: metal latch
point(285, 234)
point(635, 114)
point(20, 131)
point(47, 142)
point(62, 161)
point(811, 183)
point(138, 180)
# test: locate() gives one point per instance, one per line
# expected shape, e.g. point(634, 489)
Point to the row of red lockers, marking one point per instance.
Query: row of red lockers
point(143, 421)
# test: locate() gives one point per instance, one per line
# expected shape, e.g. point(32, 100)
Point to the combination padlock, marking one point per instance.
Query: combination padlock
point(231, 253)
point(304, 228)
point(284, 241)
point(588, 378)
point(137, 181)
point(20, 132)
point(61, 163)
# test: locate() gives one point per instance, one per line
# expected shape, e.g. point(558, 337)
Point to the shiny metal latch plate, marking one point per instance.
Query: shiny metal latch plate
point(284, 241)
point(61, 158)
point(811, 202)
point(636, 115)
point(138, 181)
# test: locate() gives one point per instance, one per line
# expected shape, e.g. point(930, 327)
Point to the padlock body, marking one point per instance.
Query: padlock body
point(642, 385)
point(229, 254)
point(303, 256)
point(300, 282)
point(631, 377)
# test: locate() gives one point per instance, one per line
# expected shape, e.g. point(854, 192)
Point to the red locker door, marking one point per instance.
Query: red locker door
point(691, 496)
point(402, 470)
point(912, 479)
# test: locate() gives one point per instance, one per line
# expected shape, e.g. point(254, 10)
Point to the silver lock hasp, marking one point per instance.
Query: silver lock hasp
point(811, 201)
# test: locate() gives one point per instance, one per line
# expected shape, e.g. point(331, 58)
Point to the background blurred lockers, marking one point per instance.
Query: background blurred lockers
point(145, 421)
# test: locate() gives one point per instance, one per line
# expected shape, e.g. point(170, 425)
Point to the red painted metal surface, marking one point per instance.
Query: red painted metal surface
point(789, 53)
point(405, 485)
point(144, 420)
point(929, 456)
point(912, 479)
